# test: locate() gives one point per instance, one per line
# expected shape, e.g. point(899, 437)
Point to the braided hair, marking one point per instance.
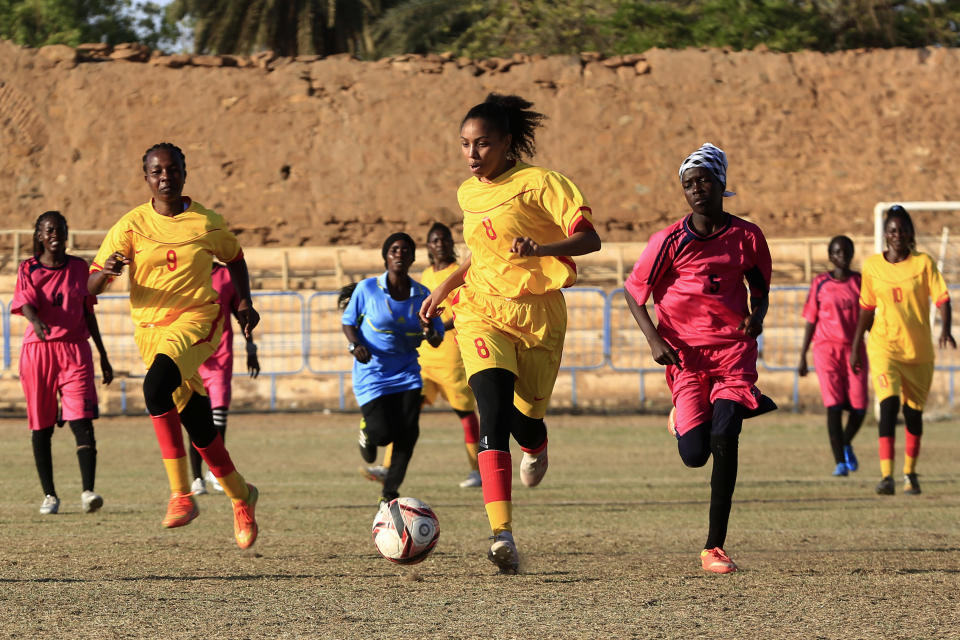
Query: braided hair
point(167, 146)
point(510, 115)
point(57, 218)
point(346, 292)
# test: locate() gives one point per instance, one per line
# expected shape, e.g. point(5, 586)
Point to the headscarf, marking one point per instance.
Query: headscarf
point(712, 159)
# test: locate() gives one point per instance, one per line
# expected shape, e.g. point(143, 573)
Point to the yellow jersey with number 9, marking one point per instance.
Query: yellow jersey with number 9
point(171, 258)
point(525, 201)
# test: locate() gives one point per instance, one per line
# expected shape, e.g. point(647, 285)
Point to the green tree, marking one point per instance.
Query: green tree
point(35, 23)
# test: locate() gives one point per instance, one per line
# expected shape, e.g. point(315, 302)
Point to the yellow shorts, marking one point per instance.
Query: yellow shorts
point(188, 341)
point(522, 335)
point(892, 378)
point(452, 383)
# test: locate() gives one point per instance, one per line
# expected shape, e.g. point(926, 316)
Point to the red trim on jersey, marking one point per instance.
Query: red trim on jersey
point(143, 235)
point(95, 267)
point(213, 328)
point(944, 298)
point(580, 223)
point(567, 260)
point(867, 307)
point(237, 259)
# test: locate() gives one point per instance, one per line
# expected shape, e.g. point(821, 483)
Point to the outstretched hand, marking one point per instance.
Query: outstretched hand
point(247, 318)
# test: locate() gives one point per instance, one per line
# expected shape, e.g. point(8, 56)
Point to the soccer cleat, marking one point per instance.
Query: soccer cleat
point(473, 480)
point(212, 480)
point(90, 501)
point(533, 468)
point(244, 524)
point(911, 486)
point(672, 422)
point(198, 487)
point(886, 486)
point(841, 469)
point(377, 473)
point(50, 505)
point(849, 458)
point(503, 553)
point(716, 560)
point(181, 510)
point(368, 450)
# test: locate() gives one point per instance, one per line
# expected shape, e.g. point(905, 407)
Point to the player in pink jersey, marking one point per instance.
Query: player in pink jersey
point(695, 270)
point(831, 312)
point(55, 359)
point(217, 373)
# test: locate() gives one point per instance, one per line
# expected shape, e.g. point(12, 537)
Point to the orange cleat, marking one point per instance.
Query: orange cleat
point(181, 510)
point(244, 524)
point(716, 561)
point(672, 422)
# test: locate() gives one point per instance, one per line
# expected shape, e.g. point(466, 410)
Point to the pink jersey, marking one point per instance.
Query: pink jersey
point(697, 282)
point(59, 294)
point(227, 299)
point(833, 305)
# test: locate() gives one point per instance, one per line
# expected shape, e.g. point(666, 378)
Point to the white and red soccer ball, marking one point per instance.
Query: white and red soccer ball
point(405, 530)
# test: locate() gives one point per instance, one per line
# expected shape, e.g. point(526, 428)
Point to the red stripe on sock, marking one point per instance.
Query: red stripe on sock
point(217, 458)
point(886, 447)
point(471, 429)
point(537, 451)
point(169, 435)
point(496, 471)
point(912, 445)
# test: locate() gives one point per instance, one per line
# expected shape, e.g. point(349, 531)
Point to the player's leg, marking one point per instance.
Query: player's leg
point(90, 500)
point(917, 380)
point(471, 442)
point(403, 410)
point(78, 402)
point(219, 386)
point(887, 384)
point(43, 458)
point(724, 445)
point(831, 370)
point(857, 397)
point(451, 382)
point(38, 379)
point(835, 435)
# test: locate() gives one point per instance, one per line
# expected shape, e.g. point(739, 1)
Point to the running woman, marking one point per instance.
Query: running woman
point(55, 358)
point(217, 372)
point(521, 223)
point(169, 244)
point(898, 286)
point(831, 312)
point(707, 337)
point(383, 333)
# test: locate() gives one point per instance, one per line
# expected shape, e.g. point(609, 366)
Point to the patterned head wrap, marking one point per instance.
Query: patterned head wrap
point(712, 159)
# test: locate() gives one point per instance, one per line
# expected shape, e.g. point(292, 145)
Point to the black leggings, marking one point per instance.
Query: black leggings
point(395, 418)
point(499, 418)
point(162, 379)
point(86, 454)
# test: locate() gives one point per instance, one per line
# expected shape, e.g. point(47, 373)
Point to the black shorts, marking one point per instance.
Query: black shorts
point(394, 417)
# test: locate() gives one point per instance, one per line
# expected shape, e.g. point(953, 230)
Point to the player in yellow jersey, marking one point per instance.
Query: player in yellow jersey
point(521, 224)
point(169, 244)
point(895, 296)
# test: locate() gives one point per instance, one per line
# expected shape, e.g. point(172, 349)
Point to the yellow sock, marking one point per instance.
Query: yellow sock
point(177, 474)
point(909, 465)
point(472, 449)
point(886, 468)
point(235, 486)
point(500, 515)
point(387, 455)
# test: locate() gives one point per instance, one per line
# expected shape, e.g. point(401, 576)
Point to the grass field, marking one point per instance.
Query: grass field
point(610, 541)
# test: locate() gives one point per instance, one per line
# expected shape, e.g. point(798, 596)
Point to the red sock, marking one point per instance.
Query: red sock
point(886, 447)
point(471, 428)
point(496, 471)
point(216, 456)
point(912, 445)
point(169, 435)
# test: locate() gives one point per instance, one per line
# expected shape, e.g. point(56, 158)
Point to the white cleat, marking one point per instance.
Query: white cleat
point(198, 487)
point(50, 505)
point(533, 468)
point(503, 553)
point(377, 473)
point(90, 501)
point(473, 480)
point(213, 482)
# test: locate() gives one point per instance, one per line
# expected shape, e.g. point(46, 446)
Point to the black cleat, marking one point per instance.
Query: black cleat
point(886, 486)
point(911, 486)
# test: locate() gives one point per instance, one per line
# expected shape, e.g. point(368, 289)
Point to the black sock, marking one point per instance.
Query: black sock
point(854, 422)
point(86, 451)
point(723, 480)
point(835, 431)
point(43, 456)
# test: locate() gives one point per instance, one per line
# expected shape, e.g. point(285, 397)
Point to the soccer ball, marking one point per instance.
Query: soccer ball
point(405, 530)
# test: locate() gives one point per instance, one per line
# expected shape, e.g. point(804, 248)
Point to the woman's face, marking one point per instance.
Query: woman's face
point(898, 236)
point(440, 246)
point(840, 254)
point(51, 236)
point(485, 148)
point(704, 194)
point(399, 257)
point(165, 175)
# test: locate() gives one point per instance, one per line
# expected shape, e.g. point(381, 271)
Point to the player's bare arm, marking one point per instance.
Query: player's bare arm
point(579, 243)
point(946, 316)
point(359, 350)
point(660, 349)
point(752, 325)
point(39, 326)
point(112, 267)
point(247, 316)
point(431, 304)
point(106, 370)
point(802, 368)
point(864, 322)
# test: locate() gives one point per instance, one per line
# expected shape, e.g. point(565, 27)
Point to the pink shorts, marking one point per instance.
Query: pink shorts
point(49, 369)
point(217, 381)
point(839, 385)
point(709, 374)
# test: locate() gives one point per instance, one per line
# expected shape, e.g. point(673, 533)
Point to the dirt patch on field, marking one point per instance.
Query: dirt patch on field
point(335, 151)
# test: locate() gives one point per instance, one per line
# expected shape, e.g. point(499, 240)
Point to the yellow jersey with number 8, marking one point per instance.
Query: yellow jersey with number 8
point(525, 201)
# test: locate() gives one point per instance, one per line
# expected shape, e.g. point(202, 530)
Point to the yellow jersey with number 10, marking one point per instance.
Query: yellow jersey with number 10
point(523, 201)
point(900, 293)
point(171, 258)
